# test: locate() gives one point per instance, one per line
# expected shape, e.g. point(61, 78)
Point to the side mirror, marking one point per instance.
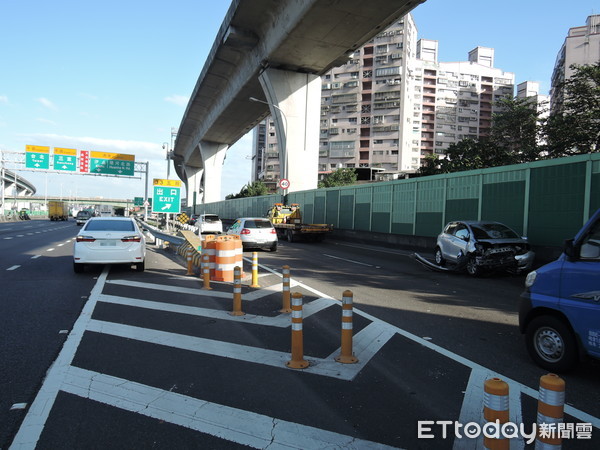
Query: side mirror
point(571, 250)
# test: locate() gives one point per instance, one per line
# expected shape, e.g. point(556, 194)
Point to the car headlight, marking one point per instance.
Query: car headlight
point(530, 279)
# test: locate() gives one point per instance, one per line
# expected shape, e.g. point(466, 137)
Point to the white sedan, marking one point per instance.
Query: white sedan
point(109, 240)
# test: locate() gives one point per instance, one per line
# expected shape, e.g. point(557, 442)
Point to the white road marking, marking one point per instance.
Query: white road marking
point(14, 267)
point(235, 425)
point(366, 342)
point(348, 260)
point(18, 406)
point(50, 250)
point(33, 424)
point(164, 287)
point(35, 256)
point(60, 245)
point(9, 237)
point(20, 235)
point(281, 320)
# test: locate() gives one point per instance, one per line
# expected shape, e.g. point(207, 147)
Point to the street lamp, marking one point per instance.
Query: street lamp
point(284, 149)
point(165, 146)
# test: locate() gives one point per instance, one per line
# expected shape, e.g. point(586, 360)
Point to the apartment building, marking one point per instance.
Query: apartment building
point(581, 47)
point(393, 103)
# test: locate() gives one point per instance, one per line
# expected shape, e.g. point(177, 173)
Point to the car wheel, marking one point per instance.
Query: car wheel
point(273, 247)
point(139, 267)
point(439, 259)
point(551, 344)
point(472, 268)
point(78, 267)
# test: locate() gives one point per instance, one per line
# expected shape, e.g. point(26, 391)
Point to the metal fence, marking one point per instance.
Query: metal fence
point(547, 201)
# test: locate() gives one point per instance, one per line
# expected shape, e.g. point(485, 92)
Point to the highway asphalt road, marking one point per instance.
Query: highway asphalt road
point(150, 352)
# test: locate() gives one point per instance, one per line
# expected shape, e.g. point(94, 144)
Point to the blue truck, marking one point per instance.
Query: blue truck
point(559, 312)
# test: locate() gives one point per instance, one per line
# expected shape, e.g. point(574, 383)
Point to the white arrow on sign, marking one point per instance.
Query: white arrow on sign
point(64, 167)
point(167, 206)
point(36, 165)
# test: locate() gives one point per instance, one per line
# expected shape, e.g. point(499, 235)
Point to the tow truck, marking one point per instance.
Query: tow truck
point(287, 220)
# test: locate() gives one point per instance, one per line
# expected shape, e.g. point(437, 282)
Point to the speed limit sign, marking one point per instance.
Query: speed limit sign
point(284, 183)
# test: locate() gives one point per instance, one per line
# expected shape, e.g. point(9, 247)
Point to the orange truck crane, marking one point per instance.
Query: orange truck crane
point(287, 220)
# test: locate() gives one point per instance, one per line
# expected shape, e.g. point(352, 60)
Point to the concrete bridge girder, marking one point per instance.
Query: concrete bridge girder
point(295, 100)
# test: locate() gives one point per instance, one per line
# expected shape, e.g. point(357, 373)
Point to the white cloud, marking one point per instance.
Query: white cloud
point(179, 100)
point(47, 103)
point(3, 99)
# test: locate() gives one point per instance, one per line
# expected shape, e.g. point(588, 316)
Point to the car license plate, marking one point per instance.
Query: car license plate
point(108, 243)
point(500, 250)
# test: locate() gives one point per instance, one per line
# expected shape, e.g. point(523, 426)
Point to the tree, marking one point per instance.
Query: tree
point(515, 133)
point(253, 189)
point(574, 128)
point(467, 154)
point(339, 177)
point(430, 166)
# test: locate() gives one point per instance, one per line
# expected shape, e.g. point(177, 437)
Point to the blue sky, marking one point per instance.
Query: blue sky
point(115, 76)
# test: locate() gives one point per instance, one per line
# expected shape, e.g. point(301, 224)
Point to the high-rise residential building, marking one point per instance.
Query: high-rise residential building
point(581, 47)
point(393, 103)
point(458, 99)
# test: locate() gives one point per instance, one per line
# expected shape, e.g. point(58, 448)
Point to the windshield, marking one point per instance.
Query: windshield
point(493, 231)
point(213, 218)
point(109, 225)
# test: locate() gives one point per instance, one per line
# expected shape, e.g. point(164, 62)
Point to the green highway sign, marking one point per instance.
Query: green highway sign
point(112, 163)
point(166, 196)
point(37, 157)
point(138, 201)
point(65, 159)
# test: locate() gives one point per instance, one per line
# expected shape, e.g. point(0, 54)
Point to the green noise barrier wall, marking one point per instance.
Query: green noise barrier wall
point(547, 201)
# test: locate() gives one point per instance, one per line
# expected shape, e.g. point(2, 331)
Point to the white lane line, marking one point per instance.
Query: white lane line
point(518, 387)
point(13, 267)
point(281, 320)
point(20, 235)
point(35, 256)
point(367, 342)
point(348, 260)
point(33, 424)
point(164, 287)
point(8, 238)
point(225, 422)
point(60, 245)
point(50, 250)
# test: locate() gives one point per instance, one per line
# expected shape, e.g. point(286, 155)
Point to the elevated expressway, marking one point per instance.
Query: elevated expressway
point(275, 52)
point(10, 180)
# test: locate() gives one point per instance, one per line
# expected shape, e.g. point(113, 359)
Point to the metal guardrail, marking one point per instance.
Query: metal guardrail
point(177, 240)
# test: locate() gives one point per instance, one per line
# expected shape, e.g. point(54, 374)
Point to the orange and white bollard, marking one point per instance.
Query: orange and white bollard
point(190, 261)
point(551, 405)
point(495, 409)
point(254, 270)
point(286, 290)
point(206, 271)
point(237, 292)
point(346, 356)
point(297, 361)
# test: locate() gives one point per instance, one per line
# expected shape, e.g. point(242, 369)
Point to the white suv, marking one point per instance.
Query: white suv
point(209, 223)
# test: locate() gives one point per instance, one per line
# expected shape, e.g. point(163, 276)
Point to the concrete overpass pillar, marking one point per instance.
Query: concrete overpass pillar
point(295, 102)
point(193, 185)
point(213, 156)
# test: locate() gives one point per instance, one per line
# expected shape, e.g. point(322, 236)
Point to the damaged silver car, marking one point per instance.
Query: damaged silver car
point(479, 246)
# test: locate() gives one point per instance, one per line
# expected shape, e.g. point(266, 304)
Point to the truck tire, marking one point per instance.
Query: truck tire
point(290, 236)
point(551, 344)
